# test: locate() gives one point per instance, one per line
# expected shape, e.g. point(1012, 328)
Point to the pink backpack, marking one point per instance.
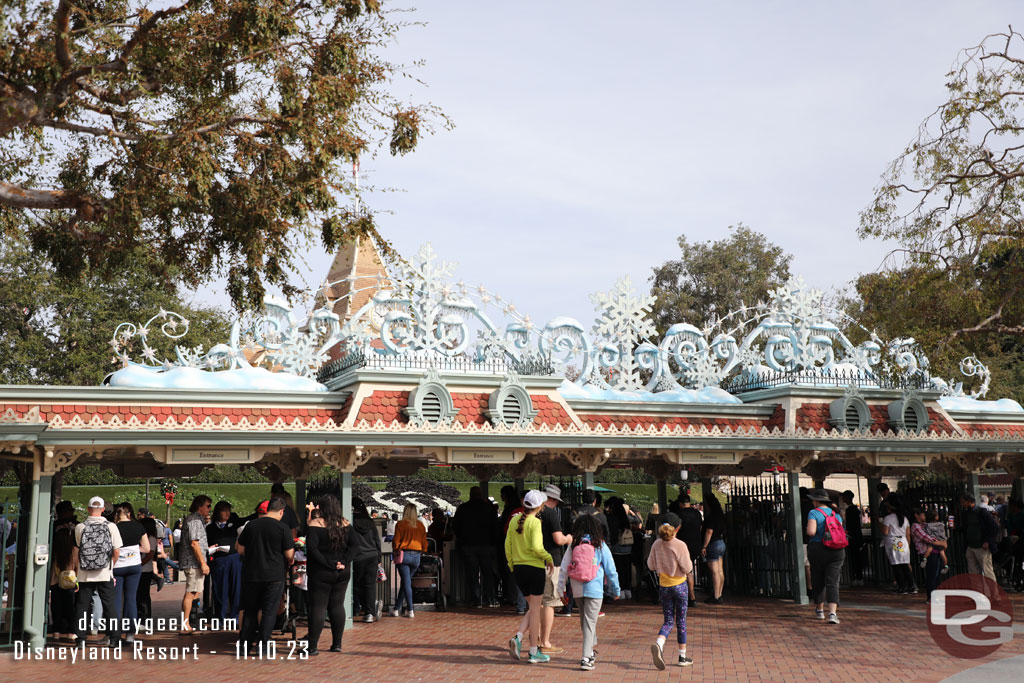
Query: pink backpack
point(584, 563)
point(835, 535)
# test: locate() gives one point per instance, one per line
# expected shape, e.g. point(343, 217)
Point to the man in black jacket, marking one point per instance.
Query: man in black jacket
point(475, 527)
point(981, 532)
point(364, 564)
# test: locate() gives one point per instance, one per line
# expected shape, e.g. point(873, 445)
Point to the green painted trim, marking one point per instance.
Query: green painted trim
point(983, 417)
point(36, 585)
point(588, 405)
point(458, 379)
point(533, 441)
point(61, 395)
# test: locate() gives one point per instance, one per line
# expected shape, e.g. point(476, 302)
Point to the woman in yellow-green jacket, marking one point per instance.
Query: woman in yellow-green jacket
point(529, 562)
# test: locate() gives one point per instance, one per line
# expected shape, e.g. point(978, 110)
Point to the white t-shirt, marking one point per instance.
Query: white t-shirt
point(107, 573)
point(897, 547)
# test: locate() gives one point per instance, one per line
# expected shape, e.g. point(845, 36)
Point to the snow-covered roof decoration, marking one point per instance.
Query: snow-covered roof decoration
point(418, 313)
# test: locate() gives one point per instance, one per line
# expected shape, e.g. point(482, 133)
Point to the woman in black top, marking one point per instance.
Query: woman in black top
point(329, 553)
point(134, 553)
point(225, 565)
point(365, 560)
point(714, 546)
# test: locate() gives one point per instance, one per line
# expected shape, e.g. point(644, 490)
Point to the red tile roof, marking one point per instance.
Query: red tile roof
point(778, 419)
point(816, 416)
point(387, 406)
point(1016, 430)
point(253, 414)
point(645, 421)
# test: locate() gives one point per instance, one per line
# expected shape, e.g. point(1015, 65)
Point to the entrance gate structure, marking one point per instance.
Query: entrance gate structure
point(396, 368)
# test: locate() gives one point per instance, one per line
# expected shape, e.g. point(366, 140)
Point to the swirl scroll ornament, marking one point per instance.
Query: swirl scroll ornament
point(969, 367)
point(172, 326)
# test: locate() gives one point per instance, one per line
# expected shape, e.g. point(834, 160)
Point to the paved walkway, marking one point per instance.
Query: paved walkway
point(881, 637)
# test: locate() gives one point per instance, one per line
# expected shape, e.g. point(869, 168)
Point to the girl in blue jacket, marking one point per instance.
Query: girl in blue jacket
point(589, 595)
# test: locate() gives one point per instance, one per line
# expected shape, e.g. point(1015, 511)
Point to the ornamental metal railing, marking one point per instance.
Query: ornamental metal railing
point(357, 360)
point(768, 380)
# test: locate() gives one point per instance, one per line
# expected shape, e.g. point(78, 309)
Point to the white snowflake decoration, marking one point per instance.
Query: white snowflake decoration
point(622, 321)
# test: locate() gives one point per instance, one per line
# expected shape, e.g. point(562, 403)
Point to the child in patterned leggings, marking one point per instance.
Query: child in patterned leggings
point(671, 559)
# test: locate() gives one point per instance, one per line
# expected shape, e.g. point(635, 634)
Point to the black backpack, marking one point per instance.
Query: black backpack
point(96, 547)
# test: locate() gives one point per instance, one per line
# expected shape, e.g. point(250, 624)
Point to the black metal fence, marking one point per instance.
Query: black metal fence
point(529, 364)
point(759, 560)
point(767, 380)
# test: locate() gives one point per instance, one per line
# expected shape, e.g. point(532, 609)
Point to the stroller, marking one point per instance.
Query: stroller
point(426, 582)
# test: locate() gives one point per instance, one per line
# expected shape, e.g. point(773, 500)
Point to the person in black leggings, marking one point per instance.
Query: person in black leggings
point(365, 560)
point(329, 552)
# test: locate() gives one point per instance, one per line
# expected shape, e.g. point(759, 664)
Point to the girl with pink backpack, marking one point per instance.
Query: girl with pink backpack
point(590, 566)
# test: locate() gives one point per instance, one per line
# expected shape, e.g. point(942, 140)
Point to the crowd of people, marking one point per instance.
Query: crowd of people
point(535, 553)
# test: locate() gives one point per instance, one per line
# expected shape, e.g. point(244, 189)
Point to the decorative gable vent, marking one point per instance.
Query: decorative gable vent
point(431, 402)
point(909, 414)
point(510, 404)
point(850, 412)
point(431, 408)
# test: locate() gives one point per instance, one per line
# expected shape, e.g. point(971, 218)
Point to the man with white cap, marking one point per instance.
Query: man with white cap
point(99, 543)
point(555, 539)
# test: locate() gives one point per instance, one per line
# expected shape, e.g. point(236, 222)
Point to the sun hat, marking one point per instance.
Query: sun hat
point(534, 499)
point(818, 494)
point(96, 502)
point(552, 491)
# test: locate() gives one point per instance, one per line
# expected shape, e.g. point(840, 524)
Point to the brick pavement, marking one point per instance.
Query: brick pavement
point(882, 636)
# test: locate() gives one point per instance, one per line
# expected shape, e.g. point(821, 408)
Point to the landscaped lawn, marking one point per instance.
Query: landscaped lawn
point(245, 497)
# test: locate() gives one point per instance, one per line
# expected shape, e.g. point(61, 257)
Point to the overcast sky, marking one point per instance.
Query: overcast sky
point(590, 135)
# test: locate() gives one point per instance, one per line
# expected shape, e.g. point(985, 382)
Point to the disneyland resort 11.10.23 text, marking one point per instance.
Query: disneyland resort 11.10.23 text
point(136, 650)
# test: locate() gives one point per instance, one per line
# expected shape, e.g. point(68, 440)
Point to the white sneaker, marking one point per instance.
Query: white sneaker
point(393, 613)
point(410, 614)
point(659, 658)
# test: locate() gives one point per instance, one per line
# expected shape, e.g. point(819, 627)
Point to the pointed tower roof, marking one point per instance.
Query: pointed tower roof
point(359, 271)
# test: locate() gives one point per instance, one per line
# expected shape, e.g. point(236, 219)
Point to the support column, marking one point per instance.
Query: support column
point(520, 484)
point(484, 484)
point(346, 511)
point(875, 507)
point(1017, 489)
point(36, 577)
point(794, 526)
point(706, 489)
point(588, 480)
point(300, 499)
point(662, 496)
point(973, 486)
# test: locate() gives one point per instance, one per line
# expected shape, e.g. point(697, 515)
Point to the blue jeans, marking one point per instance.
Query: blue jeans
point(126, 591)
point(410, 563)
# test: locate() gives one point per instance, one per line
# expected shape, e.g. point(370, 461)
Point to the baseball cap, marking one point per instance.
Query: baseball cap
point(672, 519)
point(96, 502)
point(262, 507)
point(534, 499)
point(552, 491)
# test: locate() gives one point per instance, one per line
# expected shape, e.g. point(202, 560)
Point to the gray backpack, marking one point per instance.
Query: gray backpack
point(96, 547)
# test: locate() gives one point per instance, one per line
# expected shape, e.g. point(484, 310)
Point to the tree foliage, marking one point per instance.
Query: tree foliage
point(953, 199)
point(212, 133)
point(712, 278)
point(57, 331)
point(926, 302)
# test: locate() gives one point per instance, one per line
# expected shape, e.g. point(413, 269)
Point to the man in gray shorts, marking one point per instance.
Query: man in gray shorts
point(193, 548)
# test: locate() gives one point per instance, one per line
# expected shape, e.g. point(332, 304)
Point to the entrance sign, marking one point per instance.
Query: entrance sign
point(208, 455)
point(916, 460)
point(709, 459)
point(465, 456)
